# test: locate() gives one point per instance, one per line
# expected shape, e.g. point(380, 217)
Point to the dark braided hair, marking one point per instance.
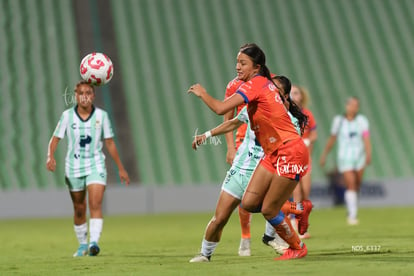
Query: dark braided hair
point(258, 57)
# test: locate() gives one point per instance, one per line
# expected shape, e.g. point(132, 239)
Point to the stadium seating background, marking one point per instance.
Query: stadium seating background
point(334, 48)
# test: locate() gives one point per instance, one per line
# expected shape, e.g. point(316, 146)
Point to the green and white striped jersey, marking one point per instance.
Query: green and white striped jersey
point(84, 153)
point(350, 136)
point(250, 152)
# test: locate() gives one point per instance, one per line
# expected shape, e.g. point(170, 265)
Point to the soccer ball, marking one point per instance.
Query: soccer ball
point(96, 68)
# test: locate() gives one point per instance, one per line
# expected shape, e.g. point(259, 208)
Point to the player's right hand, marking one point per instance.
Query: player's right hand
point(231, 153)
point(198, 140)
point(51, 164)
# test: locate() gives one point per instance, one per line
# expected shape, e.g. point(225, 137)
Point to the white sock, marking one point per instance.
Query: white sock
point(270, 230)
point(81, 232)
point(351, 200)
point(207, 247)
point(95, 229)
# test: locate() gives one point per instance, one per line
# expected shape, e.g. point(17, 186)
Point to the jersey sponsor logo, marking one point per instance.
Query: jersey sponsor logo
point(289, 168)
point(84, 140)
point(352, 134)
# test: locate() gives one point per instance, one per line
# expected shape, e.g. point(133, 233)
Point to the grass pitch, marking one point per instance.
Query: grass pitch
point(163, 244)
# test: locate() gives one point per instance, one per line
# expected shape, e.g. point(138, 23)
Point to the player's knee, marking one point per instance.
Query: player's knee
point(95, 206)
point(251, 206)
point(80, 211)
point(219, 221)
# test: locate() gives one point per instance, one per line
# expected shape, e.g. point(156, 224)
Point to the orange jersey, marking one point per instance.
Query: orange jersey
point(311, 125)
point(267, 113)
point(231, 88)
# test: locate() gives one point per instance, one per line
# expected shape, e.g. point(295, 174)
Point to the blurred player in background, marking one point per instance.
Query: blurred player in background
point(286, 156)
point(301, 97)
point(85, 171)
point(354, 152)
point(245, 217)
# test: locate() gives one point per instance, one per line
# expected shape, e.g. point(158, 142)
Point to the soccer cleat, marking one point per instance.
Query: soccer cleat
point(290, 208)
point(303, 219)
point(305, 236)
point(353, 221)
point(82, 251)
point(244, 249)
point(266, 239)
point(293, 253)
point(200, 259)
point(93, 249)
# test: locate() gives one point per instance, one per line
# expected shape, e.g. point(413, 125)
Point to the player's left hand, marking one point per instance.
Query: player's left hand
point(124, 177)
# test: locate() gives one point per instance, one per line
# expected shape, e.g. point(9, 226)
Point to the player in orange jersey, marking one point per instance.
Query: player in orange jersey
point(286, 156)
point(301, 97)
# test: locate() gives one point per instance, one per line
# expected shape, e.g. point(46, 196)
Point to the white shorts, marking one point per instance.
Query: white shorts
point(351, 164)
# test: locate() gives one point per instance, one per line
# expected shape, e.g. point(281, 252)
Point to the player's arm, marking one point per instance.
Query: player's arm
point(224, 127)
point(113, 151)
point(313, 135)
point(217, 106)
point(231, 148)
point(368, 149)
point(329, 144)
point(51, 162)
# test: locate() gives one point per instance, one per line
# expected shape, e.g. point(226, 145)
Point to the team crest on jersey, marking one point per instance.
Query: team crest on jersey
point(97, 124)
point(272, 140)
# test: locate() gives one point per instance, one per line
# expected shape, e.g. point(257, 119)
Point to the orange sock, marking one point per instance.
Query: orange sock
point(245, 218)
point(288, 234)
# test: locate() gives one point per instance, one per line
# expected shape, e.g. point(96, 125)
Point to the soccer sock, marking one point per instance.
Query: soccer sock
point(245, 219)
point(81, 232)
point(285, 230)
point(270, 230)
point(95, 229)
point(207, 247)
point(351, 199)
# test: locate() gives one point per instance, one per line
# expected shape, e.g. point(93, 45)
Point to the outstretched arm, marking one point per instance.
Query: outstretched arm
point(224, 127)
point(113, 151)
point(51, 162)
point(217, 106)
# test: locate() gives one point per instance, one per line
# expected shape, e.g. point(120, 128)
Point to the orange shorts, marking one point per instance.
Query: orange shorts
point(290, 160)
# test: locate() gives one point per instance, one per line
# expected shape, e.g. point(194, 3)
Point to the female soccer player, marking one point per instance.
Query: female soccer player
point(85, 172)
point(245, 217)
point(354, 152)
point(286, 156)
point(301, 97)
point(235, 183)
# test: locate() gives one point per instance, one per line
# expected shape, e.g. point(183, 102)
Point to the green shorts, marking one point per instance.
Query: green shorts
point(76, 184)
point(236, 182)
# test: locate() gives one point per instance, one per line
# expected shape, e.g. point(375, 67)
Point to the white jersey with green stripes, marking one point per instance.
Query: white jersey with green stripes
point(84, 154)
point(249, 152)
point(351, 147)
